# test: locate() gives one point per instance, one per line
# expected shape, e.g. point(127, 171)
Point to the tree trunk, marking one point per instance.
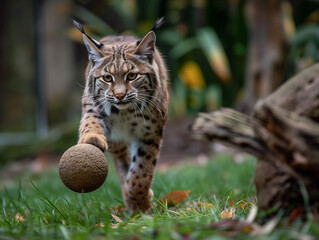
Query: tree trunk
point(268, 50)
point(283, 132)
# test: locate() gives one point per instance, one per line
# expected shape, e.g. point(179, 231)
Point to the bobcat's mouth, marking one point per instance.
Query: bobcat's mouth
point(122, 104)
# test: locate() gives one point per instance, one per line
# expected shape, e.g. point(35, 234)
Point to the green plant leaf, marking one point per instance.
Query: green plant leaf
point(93, 21)
point(184, 47)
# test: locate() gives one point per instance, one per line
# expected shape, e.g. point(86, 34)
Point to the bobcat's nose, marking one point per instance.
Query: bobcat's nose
point(119, 96)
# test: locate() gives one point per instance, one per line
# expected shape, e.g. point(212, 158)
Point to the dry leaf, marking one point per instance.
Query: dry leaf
point(252, 214)
point(114, 225)
point(118, 209)
point(248, 228)
point(191, 209)
point(117, 218)
point(294, 215)
point(63, 222)
point(19, 218)
point(174, 197)
point(242, 205)
point(265, 229)
point(230, 202)
point(46, 221)
point(232, 228)
point(226, 214)
point(99, 225)
point(204, 204)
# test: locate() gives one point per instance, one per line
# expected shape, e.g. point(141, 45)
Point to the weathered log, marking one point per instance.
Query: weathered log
point(283, 132)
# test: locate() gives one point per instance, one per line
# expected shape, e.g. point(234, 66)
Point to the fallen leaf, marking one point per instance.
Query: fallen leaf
point(175, 197)
point(19, 218)
point(63, 222)
point(117, 218)
point(232, 228)
point(114, 225)
point(226, 214)
point(248, 228)
point(204, 204)
point(294, 215)
point(46, 221)
point(265, 229)
point(252, 214)
point(136, 237)
point(118, 209)
point(99, 225)
point(230, 202)
point(190, 209)
point(242, 205)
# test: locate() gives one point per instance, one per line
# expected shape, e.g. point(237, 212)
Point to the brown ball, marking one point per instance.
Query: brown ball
point(83, 168)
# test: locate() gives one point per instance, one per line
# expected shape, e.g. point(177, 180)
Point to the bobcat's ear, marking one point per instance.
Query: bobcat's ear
point(145, 47)
point(93, 46)
point(95, 55)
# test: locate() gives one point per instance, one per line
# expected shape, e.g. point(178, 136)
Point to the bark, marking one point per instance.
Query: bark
point(268, 48)
point(283, 132)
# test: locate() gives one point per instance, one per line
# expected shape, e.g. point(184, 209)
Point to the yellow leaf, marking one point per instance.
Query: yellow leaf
point(117, 218)
point(218, 63)
point(204, 204)
point(226, 214)
point(174, 197)
point(288, 20)
point(247, 228)
point(192, 76)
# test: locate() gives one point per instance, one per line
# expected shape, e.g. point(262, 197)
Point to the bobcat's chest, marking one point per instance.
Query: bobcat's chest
point(126, 126)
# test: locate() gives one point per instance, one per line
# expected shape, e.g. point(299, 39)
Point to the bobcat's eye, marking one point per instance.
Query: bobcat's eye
point(108, 78)
point(131, 76)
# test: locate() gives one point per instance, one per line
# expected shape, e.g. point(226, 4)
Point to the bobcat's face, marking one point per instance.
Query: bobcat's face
point(122, 75)
point(119, 88)
point(124, 86)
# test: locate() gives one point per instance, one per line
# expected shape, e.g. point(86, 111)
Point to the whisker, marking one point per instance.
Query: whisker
point(141, 114)
point(153, 104)
point(158, 99)
point(80, 85)
point(134, 110)
point(146, 108)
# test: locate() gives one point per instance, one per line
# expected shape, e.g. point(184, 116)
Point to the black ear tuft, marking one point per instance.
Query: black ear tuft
point(139, 41)
point(158, 23)
point(78, 26)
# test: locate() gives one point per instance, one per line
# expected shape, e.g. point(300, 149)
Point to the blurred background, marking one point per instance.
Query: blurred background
point(221, 53)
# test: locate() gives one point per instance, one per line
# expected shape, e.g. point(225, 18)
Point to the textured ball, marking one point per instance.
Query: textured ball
point(83, 168)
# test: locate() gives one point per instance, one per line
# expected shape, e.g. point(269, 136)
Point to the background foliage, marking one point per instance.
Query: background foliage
point(205, 44)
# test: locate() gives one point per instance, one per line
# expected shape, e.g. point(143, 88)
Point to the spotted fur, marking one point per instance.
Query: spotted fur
point(124, 109)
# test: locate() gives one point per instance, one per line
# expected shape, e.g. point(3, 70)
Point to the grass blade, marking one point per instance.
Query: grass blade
point(47, 201)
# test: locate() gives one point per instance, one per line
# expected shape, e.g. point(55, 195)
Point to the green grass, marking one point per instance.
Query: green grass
point(51, 211)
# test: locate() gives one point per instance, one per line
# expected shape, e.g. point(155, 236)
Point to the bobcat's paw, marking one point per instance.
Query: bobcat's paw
point(97, 140)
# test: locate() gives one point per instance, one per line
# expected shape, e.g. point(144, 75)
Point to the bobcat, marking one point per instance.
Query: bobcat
point(125, 108)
